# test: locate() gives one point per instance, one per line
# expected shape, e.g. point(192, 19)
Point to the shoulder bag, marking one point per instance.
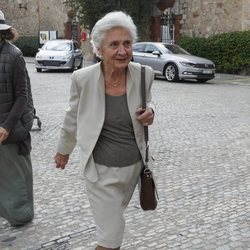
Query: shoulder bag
point(148, 193)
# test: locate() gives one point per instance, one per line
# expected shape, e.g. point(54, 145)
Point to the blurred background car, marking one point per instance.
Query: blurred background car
point(173, 62)
point(59, 54)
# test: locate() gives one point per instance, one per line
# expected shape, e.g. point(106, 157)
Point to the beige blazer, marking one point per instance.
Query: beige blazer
point(84, 117)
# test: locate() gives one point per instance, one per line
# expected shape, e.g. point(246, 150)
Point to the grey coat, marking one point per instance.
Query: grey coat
point(16, 104)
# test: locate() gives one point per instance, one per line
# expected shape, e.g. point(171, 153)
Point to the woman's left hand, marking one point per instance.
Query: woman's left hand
point(145, 117)
point(61, 160)
point(3, 134)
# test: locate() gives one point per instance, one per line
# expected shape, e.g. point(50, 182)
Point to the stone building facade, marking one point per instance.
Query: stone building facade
point(204, 18)
point(193, 18)
point(31, 16)
point(199, 18)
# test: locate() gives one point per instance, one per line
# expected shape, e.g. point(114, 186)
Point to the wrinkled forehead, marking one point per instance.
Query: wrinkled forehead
point(117, 34)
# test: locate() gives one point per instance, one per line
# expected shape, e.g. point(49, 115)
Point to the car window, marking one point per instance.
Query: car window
point(150, 48)
point(55, 46)
point(138, 47)
point(175, 49)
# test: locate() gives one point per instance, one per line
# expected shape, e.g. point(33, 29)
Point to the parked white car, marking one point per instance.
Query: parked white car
point(173, 62)
point(59, 54)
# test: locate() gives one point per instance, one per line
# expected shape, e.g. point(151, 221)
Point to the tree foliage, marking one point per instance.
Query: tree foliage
point(89, 11)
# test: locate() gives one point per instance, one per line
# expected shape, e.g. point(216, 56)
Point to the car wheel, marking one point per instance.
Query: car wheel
point(171, 72)
point(201, 80)
point(38, 70)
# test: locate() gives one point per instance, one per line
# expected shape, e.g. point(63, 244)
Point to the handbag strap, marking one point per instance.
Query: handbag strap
point(143, 97)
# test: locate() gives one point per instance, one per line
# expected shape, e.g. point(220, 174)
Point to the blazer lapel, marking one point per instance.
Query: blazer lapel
point(134, 100)
point(133, 92)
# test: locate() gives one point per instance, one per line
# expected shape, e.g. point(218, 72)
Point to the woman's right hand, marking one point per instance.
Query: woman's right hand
point(145, 116)
point(3, 134)
point(61, 160)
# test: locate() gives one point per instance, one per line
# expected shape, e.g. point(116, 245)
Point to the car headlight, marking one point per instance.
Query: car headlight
point(187, 64)
point(67, 57)
point(38, 57)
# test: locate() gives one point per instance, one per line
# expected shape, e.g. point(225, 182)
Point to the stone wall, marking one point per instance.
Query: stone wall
point(203, 18)
point(195, 18)
point(39, 15)
point(245, 15)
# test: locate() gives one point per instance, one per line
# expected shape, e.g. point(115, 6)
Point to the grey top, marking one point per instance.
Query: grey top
point(116, 146)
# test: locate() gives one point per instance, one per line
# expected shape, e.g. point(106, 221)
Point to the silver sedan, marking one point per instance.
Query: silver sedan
point(173, 62)
point(59, 54)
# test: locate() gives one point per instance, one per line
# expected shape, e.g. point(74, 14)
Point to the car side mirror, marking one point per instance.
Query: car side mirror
point(156, 53)
point(77, 50)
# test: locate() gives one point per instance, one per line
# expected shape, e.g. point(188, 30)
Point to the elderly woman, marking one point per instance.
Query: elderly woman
point(105, 119)
point(16, 118)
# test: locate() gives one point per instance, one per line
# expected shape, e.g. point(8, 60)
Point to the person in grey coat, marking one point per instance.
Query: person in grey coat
point(106, 120)
point(16, 119)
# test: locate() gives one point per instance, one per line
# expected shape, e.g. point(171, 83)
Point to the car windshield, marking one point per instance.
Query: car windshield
point(55, 46)
point(175, 49)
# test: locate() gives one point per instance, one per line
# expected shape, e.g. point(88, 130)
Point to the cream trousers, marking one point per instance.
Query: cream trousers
point(109, 197)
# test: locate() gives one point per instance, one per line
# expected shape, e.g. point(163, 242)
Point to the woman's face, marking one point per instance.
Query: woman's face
point(116, 49)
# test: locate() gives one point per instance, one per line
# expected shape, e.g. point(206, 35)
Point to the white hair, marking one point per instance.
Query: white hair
point(109, 21)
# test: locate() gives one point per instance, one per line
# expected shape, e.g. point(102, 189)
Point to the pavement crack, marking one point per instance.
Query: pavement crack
point(61, 243)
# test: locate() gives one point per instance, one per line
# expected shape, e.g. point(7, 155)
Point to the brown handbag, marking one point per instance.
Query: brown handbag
point(148, 193)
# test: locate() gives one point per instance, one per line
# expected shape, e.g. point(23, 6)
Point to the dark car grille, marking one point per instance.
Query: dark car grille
point(52, 63)
point(204, 66)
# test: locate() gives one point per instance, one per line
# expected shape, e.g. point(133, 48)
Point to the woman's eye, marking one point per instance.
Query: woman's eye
point(114, 45)
point(127, 44)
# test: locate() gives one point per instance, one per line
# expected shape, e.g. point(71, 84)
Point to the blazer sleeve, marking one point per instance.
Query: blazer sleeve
point(67, 138)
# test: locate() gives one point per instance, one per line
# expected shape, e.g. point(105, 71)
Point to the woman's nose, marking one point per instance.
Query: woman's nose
point(121, 50)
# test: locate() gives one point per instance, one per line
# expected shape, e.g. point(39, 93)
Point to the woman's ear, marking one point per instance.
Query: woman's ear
point(99, 52)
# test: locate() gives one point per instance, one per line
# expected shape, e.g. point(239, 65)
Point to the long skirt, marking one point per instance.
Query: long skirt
point(109, 197)
point(16, 186)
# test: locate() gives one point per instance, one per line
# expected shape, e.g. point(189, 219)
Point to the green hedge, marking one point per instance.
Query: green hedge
point(28, 45)
point(229, 51)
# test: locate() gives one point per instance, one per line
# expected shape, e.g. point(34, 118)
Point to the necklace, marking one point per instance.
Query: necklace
point(115, 84)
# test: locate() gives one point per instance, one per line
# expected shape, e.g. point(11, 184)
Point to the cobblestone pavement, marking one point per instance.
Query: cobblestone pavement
point(201, 144)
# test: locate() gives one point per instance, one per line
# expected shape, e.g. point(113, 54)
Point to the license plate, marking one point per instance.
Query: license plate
point(207, 71)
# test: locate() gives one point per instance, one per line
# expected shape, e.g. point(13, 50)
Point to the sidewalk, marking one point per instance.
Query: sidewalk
point(229, 78)
point(200, 142)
